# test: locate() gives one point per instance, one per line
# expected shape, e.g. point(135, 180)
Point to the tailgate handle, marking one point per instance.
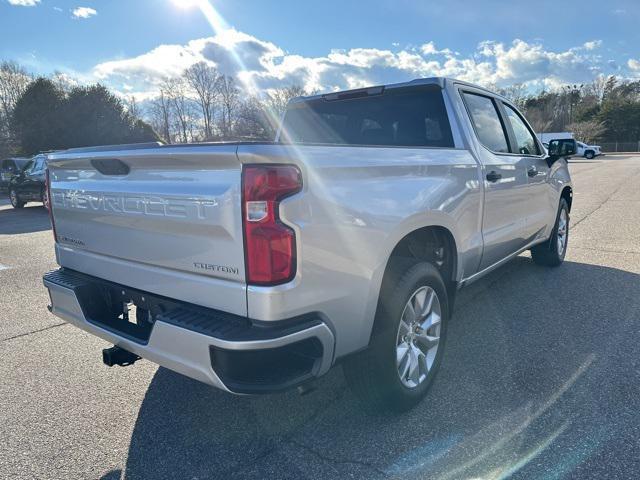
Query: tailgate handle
point(110, 166)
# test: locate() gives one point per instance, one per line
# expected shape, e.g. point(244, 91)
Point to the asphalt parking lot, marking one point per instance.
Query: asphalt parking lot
point(541, 378)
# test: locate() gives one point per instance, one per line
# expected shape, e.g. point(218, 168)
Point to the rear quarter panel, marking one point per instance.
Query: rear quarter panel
point(357, 203)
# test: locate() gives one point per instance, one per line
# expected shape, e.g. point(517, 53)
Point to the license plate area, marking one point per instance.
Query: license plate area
point(127, 312)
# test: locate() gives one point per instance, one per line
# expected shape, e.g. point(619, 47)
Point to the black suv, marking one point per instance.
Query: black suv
point(9, 168)
point(29, 184)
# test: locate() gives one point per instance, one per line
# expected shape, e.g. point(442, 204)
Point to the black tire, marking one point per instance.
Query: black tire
point(14, 198)
point(589, 154)
point(549, 253)
point(373, 373)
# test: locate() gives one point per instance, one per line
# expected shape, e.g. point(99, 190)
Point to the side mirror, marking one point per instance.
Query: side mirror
point(560, 149)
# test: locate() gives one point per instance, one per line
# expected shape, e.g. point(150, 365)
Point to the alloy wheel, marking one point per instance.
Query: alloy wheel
point(563, 230)
point(418, 336)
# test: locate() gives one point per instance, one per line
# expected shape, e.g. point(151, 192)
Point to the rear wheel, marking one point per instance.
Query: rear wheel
point(15, 199)
point(407, 345)
point(552, 252)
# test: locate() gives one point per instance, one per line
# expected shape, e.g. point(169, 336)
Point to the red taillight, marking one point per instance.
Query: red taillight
point(270, 245)
point(48, 201)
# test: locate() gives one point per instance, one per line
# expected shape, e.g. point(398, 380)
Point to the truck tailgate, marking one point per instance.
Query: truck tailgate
point(170, 216)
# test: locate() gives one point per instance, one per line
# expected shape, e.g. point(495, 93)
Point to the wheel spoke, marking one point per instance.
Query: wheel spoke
point(401, 352)
point(432, 320)
point(409, 315)
point(414, 368)
point(427, 342)
point(429, 304)
point(420, 300)
point(403, 366)
point(403, 329)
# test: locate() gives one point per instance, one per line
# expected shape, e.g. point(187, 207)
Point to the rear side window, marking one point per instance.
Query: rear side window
point(411, 117)
point(486, 121)
point(526, 143)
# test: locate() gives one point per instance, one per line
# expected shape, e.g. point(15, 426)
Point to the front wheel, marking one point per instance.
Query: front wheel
point(589, 155)
point(552, 252)
point(407, 345)
point(15, 199)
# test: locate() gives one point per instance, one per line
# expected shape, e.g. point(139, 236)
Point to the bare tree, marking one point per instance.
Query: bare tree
point(181, 105)
point(204, 81)
point(161, 116)
point(539, 123)
point(63, 81)
point(229, 98)
point(588, 131)
point(276, 102)
point(14, 80)
point(133, 107)
point(251, 121)
point(517, 93)
point(597, 87)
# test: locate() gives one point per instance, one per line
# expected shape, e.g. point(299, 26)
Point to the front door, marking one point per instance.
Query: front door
point(540, 207)
point(505, 181)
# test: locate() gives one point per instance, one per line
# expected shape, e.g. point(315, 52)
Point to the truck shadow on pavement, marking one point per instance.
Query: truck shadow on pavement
point(24, 220)
point(537, 382)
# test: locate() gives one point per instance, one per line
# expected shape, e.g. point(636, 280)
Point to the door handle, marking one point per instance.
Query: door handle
point(532, 171)
point(493, 176)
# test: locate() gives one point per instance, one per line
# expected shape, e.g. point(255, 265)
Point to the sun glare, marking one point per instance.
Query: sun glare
point(187, 3)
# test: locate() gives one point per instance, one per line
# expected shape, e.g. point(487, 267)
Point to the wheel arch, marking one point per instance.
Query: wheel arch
point(434, 244)
point(567, 194)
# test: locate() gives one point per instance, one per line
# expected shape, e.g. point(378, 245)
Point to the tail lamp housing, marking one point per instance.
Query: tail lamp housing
point(270, 245)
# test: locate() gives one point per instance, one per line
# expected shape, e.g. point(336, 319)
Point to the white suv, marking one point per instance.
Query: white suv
point(587, 151)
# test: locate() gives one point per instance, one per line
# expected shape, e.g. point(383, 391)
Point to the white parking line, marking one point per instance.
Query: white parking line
point(4, 267)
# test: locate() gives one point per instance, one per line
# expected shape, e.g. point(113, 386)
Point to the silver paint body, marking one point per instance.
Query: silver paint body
point(181, 206)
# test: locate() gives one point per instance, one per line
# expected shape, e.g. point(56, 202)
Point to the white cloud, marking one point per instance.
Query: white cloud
point(429, 48)
point(592, 45)
point(634, 65)
point(83, 12)
point(24, 3)
point(263, 65)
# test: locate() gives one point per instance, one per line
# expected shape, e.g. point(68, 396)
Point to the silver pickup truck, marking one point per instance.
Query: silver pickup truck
point(255, 267)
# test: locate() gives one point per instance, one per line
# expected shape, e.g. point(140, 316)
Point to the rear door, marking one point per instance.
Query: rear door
point(505, 179)
point(540, 204)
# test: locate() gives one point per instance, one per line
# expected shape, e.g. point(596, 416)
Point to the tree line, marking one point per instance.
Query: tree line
point(50, 113)
point(203, 104)
point(604, 110)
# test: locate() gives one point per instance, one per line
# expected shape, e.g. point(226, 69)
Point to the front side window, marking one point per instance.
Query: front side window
point(486, 121)
point(410, 117)
point(526, 142)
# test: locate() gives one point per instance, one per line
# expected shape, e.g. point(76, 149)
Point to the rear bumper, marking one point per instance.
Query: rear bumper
point(227, 351)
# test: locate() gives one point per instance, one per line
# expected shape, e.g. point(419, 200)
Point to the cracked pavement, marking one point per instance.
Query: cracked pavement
point(540, 378)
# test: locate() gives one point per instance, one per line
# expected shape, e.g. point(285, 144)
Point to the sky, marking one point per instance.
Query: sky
point(132, 45)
